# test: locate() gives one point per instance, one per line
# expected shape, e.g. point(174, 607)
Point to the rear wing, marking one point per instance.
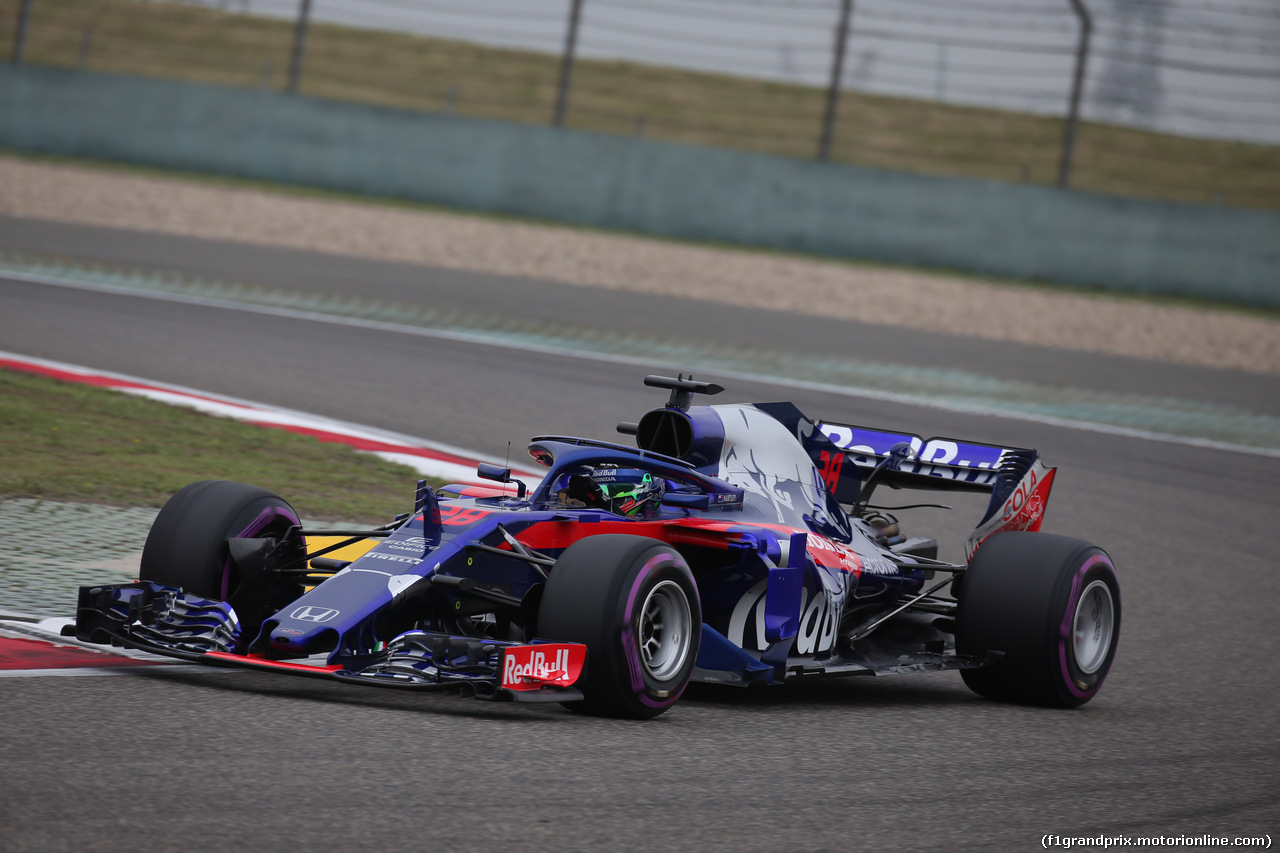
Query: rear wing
point(938, 463)
point(1018, 481)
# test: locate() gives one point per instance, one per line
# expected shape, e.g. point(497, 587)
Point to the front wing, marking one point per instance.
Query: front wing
point(166, 621)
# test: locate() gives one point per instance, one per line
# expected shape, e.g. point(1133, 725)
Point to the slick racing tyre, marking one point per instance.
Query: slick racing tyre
point(1051, 606)
point(187, 547)
point(633, 602)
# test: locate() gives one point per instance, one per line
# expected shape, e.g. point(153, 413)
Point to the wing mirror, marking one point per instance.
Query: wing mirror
point(497, 473)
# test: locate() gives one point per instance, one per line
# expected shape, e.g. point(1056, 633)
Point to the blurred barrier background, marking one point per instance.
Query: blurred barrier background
point(1179, 99)
point(649, 185)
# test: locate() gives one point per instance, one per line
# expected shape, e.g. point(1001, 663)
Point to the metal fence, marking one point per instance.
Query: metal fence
point(1160, 98)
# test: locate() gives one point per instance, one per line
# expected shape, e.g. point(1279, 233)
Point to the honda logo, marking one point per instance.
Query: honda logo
point(313, 614)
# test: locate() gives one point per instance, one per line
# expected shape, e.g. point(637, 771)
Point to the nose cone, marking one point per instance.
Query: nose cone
point(347, 602)
point(305, 630)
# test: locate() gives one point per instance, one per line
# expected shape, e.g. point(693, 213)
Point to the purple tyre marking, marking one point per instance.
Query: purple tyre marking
point(633, 662)
point(628, 640)
point(1065, 629)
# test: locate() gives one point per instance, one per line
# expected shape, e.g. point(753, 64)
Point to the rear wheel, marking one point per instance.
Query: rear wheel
point(634, 603)
point(187, 547)
point(1051, 606)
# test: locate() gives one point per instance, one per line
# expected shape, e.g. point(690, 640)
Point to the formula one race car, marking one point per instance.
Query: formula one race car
point(736, 545)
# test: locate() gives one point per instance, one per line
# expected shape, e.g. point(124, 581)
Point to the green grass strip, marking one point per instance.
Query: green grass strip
point(70, 442)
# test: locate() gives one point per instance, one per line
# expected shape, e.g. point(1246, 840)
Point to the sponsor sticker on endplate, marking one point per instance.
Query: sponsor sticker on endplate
point(543, 665)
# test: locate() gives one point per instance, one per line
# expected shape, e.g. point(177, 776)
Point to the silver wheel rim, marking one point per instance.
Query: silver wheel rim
point(665, 630)
point(1093, 627)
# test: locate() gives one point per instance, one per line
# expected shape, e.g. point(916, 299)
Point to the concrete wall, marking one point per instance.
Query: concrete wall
point(649, 186)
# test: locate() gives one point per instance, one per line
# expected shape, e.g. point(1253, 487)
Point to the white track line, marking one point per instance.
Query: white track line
point(587, 355)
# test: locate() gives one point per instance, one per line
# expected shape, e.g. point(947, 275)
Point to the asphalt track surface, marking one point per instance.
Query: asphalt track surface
point(1182, 740)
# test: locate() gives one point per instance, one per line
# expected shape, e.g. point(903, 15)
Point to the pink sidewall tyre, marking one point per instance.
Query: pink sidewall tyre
point(1046, 608)
point(633, 601)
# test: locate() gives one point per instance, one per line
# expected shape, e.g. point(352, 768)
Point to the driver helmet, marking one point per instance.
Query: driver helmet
point(629, 491)
point(625, 491)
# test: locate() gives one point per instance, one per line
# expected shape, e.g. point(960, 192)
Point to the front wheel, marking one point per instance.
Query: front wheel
point(634, 603)
point(187, 547)
point(1049, 606)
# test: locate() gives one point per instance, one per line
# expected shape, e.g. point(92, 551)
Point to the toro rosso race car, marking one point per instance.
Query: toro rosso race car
point(736, 544)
